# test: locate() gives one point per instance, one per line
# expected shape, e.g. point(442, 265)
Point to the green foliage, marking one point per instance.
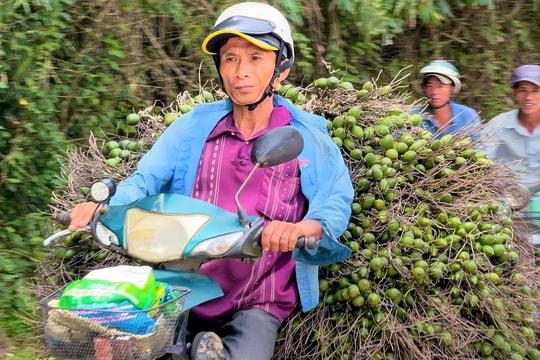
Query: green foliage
point(30, 143)
point(19, 253)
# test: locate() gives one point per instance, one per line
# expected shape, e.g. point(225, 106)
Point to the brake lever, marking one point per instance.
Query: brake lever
point(63, 233)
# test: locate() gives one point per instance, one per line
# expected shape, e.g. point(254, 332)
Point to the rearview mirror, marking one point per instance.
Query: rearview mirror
point(277, 146)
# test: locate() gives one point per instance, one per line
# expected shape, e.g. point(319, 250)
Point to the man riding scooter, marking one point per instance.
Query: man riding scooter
point(206, 154)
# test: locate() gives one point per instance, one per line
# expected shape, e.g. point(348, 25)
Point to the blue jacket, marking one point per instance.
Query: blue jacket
point(171, 166)
point(463, 119)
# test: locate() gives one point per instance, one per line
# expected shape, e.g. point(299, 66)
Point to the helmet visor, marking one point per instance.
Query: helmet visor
point(256, 31)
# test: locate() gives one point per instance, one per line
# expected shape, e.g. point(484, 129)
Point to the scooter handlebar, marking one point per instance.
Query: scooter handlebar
point(64, 219)
point(48, 241)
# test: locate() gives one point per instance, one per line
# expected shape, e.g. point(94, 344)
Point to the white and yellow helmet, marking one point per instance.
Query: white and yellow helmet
point(444, 71)
point(258, 23)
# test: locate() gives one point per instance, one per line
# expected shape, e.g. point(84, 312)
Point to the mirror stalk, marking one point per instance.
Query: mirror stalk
point(243, 217)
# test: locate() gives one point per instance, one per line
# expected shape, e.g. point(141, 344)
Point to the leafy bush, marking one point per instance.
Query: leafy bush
point(30, 143)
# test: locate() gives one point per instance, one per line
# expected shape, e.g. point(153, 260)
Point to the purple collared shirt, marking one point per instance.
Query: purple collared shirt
point(273, 194)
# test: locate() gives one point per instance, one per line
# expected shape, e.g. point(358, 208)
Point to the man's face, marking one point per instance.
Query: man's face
point(527, 95)
point(438, 93)
point(246, 70)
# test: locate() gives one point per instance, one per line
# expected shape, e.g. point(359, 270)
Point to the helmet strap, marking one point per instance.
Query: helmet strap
point(281, 64)
point(267, 93)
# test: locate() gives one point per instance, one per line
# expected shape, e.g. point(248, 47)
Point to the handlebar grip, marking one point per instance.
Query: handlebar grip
point(308, 243)
point(63, 218)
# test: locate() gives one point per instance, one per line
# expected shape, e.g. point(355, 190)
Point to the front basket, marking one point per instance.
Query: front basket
point(127, 335)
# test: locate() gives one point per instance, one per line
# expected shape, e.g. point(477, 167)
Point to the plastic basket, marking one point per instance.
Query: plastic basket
point(80, 334)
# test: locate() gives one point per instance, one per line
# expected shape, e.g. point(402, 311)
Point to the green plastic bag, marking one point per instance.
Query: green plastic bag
point(113, 285)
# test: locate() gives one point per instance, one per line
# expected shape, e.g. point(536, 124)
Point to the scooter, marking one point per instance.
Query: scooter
point(524, 210)
point(174, 234)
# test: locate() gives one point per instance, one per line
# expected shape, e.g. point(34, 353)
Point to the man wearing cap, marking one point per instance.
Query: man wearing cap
point(440, 82)
point(513, 137)
point(206, 154)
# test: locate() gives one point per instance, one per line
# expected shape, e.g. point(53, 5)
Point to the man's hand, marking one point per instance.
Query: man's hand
point(82, 214)
point(282, 236)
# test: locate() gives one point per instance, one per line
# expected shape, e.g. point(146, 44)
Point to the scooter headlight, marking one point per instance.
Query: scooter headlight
point(218, 246)
point(156, 237)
